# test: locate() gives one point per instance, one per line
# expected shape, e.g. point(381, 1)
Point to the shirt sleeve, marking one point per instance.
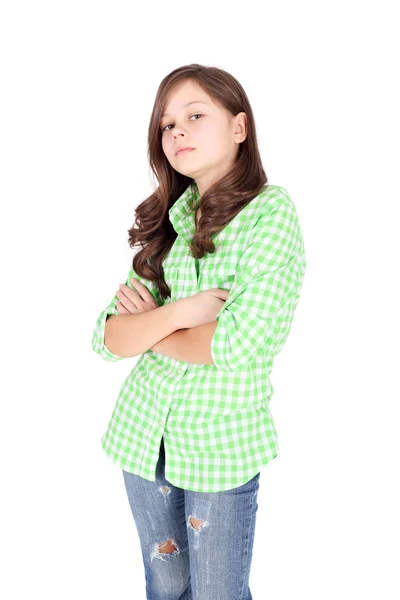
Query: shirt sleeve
point(98, 344)
point(257, 315)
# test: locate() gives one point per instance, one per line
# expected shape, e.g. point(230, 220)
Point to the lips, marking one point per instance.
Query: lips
point(183, 150)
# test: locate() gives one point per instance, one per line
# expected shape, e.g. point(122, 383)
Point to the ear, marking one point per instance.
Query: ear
point(240, 127)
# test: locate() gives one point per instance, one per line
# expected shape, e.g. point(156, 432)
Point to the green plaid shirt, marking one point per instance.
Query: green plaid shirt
point(217, 427)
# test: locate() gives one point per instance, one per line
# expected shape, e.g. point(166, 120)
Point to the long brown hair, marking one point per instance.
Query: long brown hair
point(221, 202)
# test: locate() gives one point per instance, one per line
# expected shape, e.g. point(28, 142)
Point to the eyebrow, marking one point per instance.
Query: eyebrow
point(185, 105)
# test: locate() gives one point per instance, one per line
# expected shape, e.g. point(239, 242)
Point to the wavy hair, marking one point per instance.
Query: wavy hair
point(222, 201)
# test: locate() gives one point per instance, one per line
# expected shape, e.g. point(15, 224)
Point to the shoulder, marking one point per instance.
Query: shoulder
point(274, 199)
point(276, 223)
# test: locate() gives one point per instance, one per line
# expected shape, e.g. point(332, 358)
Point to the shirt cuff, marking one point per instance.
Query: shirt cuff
point(237, 338)
point(98, 344)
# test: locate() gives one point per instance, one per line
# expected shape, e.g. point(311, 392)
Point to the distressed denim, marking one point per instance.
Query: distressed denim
point(195, 545)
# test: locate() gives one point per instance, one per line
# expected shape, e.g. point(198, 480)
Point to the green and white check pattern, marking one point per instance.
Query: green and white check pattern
point(217, 427)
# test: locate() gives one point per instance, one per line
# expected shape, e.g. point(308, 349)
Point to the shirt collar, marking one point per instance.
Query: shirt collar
point(182, 212)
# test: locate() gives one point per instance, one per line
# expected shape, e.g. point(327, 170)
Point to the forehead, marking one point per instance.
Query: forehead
point(183, 96)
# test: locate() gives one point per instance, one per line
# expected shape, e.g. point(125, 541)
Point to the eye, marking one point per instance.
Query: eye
point(195, 115)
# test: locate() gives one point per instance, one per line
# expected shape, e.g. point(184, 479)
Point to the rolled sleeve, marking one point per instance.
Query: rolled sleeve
point(98, 344)
point(258, 312)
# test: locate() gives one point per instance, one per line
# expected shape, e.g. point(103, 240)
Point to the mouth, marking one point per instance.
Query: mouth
point(184, 151)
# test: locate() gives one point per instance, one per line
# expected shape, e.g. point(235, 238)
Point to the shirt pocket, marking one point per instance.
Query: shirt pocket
point(180, 276)
point(171, 277)
point(220, 274)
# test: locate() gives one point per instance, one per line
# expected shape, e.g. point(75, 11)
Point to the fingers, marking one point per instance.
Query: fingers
point(128, 298)
point(121, 309)
point(141, 289)
point(220, 293)
point(138, 299)
point(125, 304)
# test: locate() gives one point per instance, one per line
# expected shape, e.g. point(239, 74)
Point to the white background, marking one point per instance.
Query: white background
point(78, 84)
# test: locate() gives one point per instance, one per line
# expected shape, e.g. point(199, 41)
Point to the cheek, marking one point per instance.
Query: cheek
point(166, 146)
point(213, 142)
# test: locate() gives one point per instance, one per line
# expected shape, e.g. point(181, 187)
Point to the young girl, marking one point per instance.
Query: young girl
point(207, 304)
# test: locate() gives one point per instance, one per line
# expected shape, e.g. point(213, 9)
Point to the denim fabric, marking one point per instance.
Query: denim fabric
point(207, 560)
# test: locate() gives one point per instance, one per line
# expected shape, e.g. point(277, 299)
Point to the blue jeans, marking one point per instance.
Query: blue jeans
point(194, 544)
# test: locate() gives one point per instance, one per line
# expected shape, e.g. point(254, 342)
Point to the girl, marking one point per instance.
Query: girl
point(207, 304)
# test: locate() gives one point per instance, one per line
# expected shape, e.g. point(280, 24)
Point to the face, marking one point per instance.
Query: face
point(212, 132)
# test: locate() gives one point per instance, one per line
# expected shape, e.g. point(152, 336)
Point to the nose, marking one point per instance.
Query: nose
point(178, 131)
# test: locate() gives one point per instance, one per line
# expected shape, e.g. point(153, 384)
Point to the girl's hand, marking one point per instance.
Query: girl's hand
point(134, 301)
point(201, 308)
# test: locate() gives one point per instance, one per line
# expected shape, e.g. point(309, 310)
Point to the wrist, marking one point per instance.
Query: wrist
point(175, 314)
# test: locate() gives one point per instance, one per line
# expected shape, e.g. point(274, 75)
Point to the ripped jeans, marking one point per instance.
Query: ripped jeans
point(195, 545)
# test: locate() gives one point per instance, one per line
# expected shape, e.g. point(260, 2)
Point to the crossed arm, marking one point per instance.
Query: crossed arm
point(189, 345)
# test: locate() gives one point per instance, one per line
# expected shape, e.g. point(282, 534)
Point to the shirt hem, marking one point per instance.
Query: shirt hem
point(117, 460)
